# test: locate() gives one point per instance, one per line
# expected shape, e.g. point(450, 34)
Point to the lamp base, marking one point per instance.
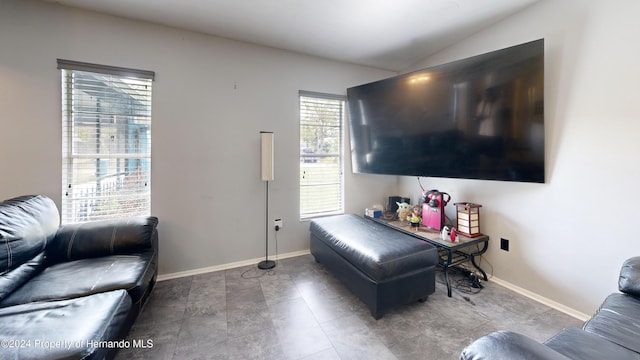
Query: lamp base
point(266, 265)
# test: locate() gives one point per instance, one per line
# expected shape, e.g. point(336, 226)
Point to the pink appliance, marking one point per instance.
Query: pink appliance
point(433, 203)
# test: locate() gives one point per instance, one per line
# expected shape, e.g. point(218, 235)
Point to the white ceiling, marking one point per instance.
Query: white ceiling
point(387, 34)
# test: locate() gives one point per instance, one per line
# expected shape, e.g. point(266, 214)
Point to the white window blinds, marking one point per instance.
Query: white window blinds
point(321, 154)
point(106, 142)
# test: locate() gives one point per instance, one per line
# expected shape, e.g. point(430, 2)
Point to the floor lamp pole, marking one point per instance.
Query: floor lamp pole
point(266, 264)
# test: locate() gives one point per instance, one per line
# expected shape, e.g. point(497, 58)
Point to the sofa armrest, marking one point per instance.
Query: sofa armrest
point(507, 345)
point(629, 280)
point(103, 238)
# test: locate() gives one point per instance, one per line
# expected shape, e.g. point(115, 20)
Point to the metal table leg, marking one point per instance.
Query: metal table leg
point(473, 259)
point(445, 269)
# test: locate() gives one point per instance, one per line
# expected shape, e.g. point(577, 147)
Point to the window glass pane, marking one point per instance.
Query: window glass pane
point(321, 155)
point(106, 146)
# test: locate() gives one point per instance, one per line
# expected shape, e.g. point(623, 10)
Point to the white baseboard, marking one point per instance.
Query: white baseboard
point(228, 266)
point(543, 300)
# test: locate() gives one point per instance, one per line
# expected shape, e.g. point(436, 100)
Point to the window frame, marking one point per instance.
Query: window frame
point(133, 196)
point(340, 201)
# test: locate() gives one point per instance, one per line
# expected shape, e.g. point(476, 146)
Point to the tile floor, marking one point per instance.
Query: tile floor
point(300, 311)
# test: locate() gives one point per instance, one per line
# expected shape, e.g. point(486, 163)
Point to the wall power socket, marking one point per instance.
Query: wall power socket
point(277, 224)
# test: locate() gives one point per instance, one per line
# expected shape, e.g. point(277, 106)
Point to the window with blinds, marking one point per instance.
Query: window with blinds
point(106, 142)
point(321, 154)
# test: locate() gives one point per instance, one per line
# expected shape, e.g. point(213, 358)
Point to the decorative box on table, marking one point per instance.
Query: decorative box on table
point(374, 213)
point(468, 219)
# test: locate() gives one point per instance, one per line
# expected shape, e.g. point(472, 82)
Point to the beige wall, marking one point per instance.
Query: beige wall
point(211, 98)
point(569, 235)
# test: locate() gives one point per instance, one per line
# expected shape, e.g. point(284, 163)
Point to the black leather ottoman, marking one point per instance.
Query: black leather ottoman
point(382, 267)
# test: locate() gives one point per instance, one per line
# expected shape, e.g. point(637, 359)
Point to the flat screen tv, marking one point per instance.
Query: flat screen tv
point(478, 118)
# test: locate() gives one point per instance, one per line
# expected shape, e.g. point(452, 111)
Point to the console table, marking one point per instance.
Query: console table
point(450, 253)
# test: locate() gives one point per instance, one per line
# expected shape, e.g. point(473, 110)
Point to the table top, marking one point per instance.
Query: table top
point(430, 235)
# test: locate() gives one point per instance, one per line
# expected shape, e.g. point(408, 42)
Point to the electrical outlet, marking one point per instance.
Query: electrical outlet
point(504, 244)
point(277, 224)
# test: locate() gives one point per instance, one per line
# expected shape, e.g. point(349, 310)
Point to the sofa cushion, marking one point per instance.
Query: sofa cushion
point(67, 329)
point(378, 251)
point(618, 320)
point(102, 238)
point(13, 279)
point(579, 344)
point(88, 276)
point(508, 345)
point(629, 280)
point(27, 223)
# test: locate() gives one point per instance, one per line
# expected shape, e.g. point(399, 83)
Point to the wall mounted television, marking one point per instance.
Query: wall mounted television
point(477, 118)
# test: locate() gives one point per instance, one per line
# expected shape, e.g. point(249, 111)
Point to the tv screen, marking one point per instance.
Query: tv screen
point(479, 118)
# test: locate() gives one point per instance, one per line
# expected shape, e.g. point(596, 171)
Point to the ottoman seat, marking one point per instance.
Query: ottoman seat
point(382, 266)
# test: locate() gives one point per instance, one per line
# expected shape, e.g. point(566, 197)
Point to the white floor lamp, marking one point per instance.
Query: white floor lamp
point(266, 139)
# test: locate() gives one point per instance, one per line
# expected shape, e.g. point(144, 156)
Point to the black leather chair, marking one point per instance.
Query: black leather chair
point(70, 291)
point(612, 333)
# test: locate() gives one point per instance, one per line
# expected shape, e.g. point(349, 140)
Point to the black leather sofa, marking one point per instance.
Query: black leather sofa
point(613, 333)
point(383, 267)
point(71, 291)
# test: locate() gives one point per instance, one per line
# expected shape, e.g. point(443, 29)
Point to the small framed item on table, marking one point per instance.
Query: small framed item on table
point(468, 219)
